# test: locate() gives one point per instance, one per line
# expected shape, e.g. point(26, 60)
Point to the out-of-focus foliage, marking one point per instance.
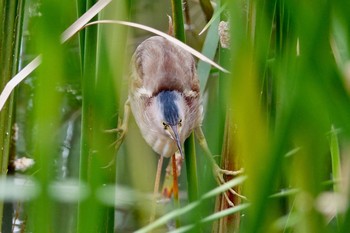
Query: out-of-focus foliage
point(282, 113)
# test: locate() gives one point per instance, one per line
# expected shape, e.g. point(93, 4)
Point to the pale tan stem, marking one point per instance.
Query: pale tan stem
point(156, 188)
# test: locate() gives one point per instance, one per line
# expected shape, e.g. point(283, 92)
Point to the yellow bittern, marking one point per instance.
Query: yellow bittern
point(165, 100)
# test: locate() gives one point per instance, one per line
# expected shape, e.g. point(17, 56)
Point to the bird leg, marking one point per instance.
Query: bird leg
point(218, 172)
point(175, 177)
point(156, 187)
point(122, 126)
point(170, 172)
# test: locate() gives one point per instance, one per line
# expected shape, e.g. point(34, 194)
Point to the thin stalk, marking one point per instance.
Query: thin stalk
point(191, 169)
point(178, 19)
point(11, 14)
point(229, 152)
point(7, 64)
point(47, 111)
point(190, 153)
point(88, 173)
point(81, 8)
point(213, 122)
point(335, 158)
point(98, 163)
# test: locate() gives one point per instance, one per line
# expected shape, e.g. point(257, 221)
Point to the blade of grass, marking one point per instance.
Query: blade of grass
point(84, 19)
point(192, 206)
point(335, 160)
point(216, 16)
point(213, 217)
point(166, 36)
point(67, 34)
point(207, 8)
point(208, 50)
point(17, 79)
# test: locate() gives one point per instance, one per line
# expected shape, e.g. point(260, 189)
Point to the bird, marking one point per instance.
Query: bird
point(164, 94)
point(164, 97)
point(165, 100)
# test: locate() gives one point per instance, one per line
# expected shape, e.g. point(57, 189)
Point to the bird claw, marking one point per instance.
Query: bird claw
point(219, 176)
point(121, 131)
point(122, 128)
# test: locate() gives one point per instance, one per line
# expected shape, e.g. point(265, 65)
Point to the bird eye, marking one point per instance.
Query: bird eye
point(165, 125)
point(180, 122)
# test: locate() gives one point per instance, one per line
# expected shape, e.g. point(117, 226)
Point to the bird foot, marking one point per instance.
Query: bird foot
point(122, 128)
point(121, 131)
point(219, 174)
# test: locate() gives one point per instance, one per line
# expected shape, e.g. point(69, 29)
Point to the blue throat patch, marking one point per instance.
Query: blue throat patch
point(168, 107)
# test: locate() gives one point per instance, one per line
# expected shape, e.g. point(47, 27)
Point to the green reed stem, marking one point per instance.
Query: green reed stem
point(178, 20)
point(11, 14)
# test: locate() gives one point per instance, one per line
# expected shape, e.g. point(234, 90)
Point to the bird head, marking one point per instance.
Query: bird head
point(169, 110)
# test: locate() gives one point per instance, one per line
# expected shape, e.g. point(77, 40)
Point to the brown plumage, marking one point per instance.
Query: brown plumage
point(164, 94)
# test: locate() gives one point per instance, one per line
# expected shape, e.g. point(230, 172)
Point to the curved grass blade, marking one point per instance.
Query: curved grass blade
point(67, 34)
point(225, 213)
point(209, 50)
point(173, 214)
point(17, 79)
point(213, 217)
point(82, 20)
point(215, 17)
point(166, 36)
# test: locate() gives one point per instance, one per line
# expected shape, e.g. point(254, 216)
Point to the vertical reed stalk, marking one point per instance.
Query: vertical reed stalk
point(11, 15)
point(96, 154)
point(103, 62)
point(178, 19)
point(47, 111)
point(190, 152)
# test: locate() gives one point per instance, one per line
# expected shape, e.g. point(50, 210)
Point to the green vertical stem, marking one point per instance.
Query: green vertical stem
point(81, 8)
point(88, 209)
point(7, 64)
point(229, 153)
point(335, 158)
point(191, 169)
point(47, 107)
point(97, 165)
point(178, 19)
point(11, 15)
point(190, 153)
point(179, 33)
point(192, 177)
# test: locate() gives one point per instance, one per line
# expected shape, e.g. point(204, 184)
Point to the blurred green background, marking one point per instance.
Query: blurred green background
point(282, 113)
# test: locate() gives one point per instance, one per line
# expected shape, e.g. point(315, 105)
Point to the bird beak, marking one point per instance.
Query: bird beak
point(177, 138)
